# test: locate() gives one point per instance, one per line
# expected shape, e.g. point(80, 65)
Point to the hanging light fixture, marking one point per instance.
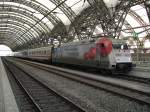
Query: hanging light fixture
point(111, 4)
point(147, 2)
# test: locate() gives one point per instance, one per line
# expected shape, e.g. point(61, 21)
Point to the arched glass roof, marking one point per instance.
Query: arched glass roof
point(32, 23)
point(138, 17)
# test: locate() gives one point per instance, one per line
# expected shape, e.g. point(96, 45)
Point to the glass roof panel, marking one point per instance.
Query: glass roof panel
point(49, 24)
point(17, 4)
point(126, 34)
point(13, 15)
point(35, 13)
point(141, 11)
point(134, 23)
point(27, 26)
point(77, 5)
point(38, 3)
point(47, 3)
point(98, 30)
point(63, 18)
point(38, 15)
point(147, 45)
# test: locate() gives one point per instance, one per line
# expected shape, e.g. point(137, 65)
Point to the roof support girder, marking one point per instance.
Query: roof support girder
point(25, 21)
point(65, 9)
point(13, 37)
point(22, 12)
point(108, 19)
point(19, 21)
point(15, 24)
point(16, 29)
point(40, 8)
point(21, 27)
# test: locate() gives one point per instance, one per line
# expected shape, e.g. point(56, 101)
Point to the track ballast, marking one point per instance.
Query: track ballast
point(39, 97)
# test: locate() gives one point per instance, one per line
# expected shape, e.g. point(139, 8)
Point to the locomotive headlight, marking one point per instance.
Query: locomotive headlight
point(130, 59)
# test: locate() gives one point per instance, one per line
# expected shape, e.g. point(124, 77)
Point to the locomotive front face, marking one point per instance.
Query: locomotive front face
point(114, 54)
point(122, 56)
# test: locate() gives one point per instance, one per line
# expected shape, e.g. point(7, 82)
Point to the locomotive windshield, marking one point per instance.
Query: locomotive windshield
point(120, 46)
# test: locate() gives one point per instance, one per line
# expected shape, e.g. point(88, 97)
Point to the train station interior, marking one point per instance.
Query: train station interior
point(74, 55)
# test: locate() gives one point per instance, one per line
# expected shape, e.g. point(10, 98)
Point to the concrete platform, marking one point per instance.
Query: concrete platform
point(7, 99)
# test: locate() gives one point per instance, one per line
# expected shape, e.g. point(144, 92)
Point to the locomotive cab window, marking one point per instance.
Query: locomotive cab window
point(120, 46)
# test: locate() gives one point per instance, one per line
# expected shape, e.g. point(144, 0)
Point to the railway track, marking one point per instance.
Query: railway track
point(133, 78)
point(37, 96)
point(130, 77)
point(137, 91)
point(137, 78)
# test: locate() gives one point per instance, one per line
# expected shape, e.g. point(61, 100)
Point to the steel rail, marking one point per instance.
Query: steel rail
point(24, 89)
point(50, 89)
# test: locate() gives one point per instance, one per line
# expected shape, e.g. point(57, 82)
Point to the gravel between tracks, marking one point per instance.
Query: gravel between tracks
point(94, 100)
point(23, 102)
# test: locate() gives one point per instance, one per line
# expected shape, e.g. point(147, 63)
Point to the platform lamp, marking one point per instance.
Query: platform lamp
point(111, 4)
